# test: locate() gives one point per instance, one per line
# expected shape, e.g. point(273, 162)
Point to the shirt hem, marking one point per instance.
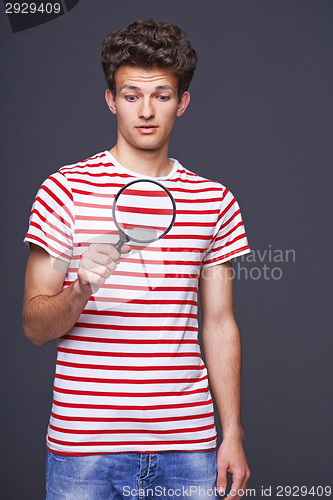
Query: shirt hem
point(30, 239)
point(233, 255)
point(145, 451)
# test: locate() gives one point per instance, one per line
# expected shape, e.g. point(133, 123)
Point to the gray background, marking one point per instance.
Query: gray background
point(258, 122)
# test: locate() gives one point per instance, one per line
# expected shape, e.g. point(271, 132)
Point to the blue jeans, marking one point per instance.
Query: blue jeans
point(132, 476)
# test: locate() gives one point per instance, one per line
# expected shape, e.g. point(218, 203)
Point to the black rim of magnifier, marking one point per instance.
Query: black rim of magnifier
point(115, 218)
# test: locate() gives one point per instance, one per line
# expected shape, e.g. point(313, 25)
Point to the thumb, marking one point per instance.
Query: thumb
point(125, 248)
point(221, 482)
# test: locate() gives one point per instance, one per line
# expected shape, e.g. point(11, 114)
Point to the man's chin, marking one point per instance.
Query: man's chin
point(147, 145)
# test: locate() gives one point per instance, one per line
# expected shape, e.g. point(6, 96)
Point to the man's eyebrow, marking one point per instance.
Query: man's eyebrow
point(129, 87)
point(165, 87)
point(159, 87)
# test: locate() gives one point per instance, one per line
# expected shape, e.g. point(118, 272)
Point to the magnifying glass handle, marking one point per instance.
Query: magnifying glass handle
point(123, 239)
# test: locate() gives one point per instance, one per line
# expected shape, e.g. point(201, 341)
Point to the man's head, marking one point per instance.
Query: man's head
point(149, 44)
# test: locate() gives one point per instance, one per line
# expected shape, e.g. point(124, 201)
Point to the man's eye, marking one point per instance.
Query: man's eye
point(130, 98)
point(164, 97)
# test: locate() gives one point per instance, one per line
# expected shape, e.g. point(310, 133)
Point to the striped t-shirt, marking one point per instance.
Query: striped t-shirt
point(129, 374)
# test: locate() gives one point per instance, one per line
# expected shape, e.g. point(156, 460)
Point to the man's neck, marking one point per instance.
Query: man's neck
point(143, 162)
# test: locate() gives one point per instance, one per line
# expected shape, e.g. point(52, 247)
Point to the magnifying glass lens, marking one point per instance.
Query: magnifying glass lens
point(144, 211)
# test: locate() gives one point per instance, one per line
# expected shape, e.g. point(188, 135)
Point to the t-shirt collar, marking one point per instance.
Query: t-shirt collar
point(135, 174)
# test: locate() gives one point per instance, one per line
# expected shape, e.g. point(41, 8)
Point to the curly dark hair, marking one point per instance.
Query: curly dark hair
point(148, 43)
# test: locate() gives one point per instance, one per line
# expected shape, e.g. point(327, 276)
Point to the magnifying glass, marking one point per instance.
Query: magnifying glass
point(143, 211)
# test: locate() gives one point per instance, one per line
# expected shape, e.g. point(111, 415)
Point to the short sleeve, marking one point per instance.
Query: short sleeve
point(229, 239)
point(51, 222)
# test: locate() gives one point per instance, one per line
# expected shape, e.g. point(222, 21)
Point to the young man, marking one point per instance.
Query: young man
point(132, 413)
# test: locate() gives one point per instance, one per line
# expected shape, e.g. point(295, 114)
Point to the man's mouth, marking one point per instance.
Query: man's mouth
point(147, 128)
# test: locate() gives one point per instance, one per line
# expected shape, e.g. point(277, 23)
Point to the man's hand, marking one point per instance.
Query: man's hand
point(231, 458)
point(97, 264)
point(49, 311)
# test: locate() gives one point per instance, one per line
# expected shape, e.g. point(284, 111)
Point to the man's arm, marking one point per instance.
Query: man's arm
point(222, 349)
point(50, 312)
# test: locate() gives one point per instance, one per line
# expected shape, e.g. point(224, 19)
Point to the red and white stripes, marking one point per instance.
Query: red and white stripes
point(129, 374)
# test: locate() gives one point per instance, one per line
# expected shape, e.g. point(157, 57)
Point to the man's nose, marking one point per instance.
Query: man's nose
point(146, 110)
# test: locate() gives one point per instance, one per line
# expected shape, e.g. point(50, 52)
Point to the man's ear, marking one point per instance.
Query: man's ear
point(183, 103)
point(110, 101)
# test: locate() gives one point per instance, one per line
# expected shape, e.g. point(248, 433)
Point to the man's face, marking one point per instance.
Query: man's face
point(146, 106)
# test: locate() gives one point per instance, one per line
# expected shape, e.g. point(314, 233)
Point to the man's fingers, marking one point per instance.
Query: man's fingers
point(107, 247)
point(102, 265)
point(221, 482)
point(246, 479)
point(92, 277)
point(99, 251)
point(125, 248)
point(98, 263)
point(236, 490)
point(231, 458)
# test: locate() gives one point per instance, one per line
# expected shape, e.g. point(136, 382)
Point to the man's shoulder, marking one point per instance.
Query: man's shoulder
point(188, 175)
point(93, 163)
